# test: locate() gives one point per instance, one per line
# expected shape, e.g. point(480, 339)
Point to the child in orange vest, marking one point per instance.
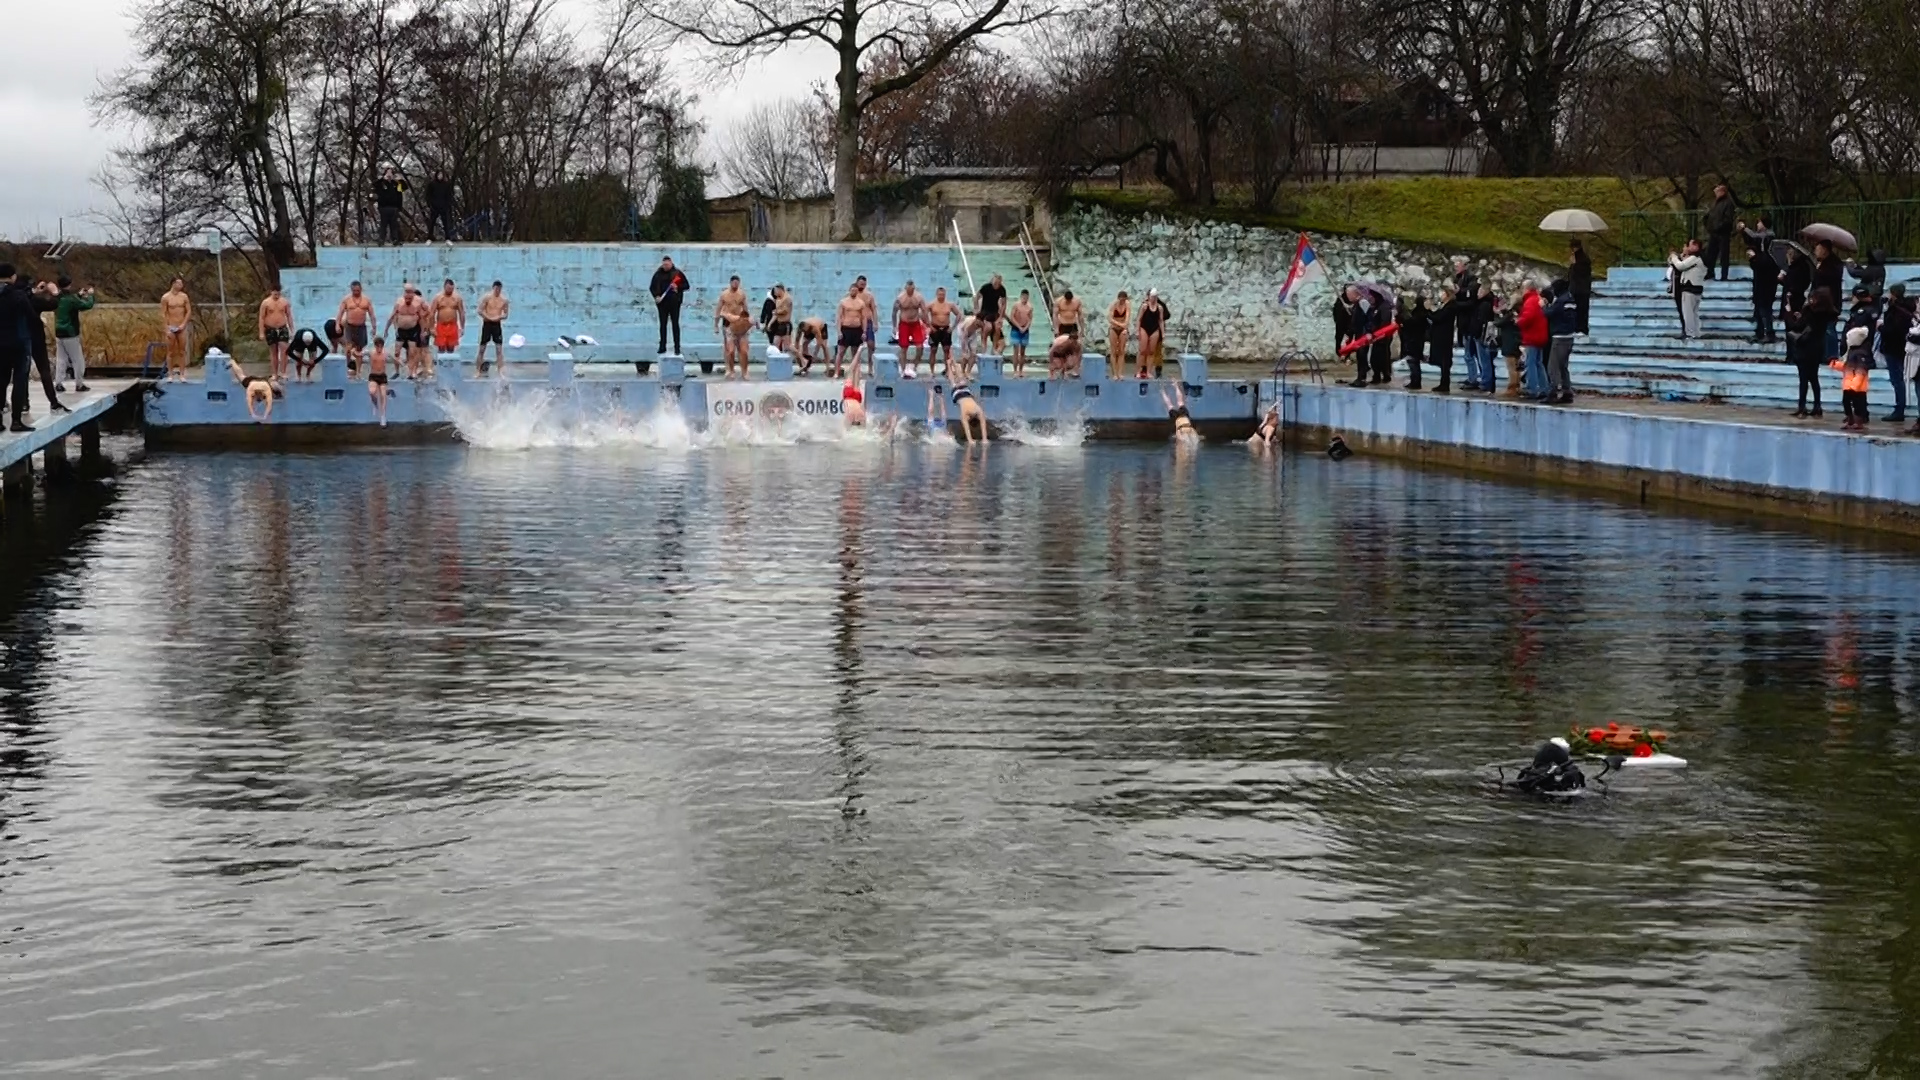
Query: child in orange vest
point(1853, 384)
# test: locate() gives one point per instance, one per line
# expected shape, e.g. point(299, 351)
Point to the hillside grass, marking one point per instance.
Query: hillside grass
point(1463, 214)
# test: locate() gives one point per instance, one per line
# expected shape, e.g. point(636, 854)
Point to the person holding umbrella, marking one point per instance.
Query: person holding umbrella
point(1579, 281)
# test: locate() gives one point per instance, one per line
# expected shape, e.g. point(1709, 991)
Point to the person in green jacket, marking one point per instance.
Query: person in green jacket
point(66, 334)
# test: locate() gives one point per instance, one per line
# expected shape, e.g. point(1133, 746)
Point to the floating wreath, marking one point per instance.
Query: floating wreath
point(1618, 739)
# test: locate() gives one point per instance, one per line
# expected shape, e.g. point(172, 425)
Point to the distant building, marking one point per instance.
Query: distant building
point(987, 204)
point(1411, 128)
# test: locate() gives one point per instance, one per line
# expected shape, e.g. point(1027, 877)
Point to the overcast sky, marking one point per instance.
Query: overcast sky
point(61, 50)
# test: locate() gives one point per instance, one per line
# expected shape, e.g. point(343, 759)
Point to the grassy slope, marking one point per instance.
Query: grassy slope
point(1461, 214)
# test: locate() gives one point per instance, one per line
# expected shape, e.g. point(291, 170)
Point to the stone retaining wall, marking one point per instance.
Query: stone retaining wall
point(1221, 279)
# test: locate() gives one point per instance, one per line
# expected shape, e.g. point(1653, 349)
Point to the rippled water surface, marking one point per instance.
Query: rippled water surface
point(871, 761)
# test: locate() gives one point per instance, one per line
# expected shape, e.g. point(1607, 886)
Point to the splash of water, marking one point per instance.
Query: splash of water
point(1065, 433)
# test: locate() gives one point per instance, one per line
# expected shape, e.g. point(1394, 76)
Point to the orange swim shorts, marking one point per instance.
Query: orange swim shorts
point(446, 336)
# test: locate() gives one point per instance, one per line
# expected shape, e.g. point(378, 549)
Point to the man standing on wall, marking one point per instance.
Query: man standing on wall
point(990, 304)
point(493, 318)
point(440, 206)
point(669, 288)
point(389, 195)
point(851, 317)
point(940, 332)
point(870, 324)
point(1720, 221)
point(176, 316)
point(736, 328)
point(449, 322)
point(356, 312)
point(910, 326)
point(276, 329)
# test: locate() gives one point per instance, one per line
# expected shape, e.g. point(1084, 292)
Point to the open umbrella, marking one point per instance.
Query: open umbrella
point(1781, 247)
point(1573, 221)
point(1383, 293)
point(1832, 234)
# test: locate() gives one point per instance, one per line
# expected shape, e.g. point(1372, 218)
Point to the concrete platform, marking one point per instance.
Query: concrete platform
point(1714, 455)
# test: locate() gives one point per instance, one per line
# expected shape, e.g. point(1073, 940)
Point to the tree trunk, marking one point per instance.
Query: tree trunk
point(846, 136)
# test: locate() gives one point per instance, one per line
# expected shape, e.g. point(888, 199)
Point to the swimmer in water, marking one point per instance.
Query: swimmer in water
point(1183, 433)
point(853, 403)
point(259, 391)
point(1267, 435)
point(377, 378)
point(970, 411)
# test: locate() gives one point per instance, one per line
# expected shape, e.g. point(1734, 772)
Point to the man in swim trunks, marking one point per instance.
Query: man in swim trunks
point(493, 319)
point(1019, 330)
point(970, 411)
point(377, 379)
point(1119, 314)
point(987, 305)
point(352, 320)
point(812, 345)
point(851, 317)
point(780, 326)
point(1063, 358)
point(1153, 333)
point(940, 332)
point(406, 324)
point(259, 391)
point(276, 329)
point(176, 314)
point(870, 328)
point(973, 334)
point(910, 326)
point(1066, 314)
point(735, 325)
point(449, 322)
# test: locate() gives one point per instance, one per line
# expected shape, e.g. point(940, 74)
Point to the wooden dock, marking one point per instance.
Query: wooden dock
point(51, 431)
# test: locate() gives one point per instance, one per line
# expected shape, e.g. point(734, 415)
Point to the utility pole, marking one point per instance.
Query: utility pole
point(220, 267)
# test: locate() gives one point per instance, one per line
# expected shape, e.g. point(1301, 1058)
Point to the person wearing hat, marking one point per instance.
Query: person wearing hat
point(1895, 324)
point(1855, 369)
point(66, 335)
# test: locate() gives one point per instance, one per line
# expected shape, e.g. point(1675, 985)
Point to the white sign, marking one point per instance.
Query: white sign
point(773, 402)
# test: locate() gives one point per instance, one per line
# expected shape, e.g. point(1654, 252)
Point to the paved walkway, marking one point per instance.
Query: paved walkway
point(49, 425)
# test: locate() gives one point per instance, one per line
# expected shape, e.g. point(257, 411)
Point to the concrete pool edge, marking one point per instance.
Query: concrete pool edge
point(1811, 476)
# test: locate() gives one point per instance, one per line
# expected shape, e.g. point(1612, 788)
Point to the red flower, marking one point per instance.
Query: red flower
point(1595, 735)
point(1612, 726)
point(1643, 750)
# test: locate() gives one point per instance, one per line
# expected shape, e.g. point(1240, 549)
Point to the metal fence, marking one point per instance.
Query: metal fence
point(1645, 237)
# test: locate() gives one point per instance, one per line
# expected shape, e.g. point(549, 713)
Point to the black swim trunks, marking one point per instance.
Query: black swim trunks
point(1178, 413)
point(356, 334)
point(407, 335)
point(779, 329)
point(1070, 329)
point(278, 335)
point(852, 337)
point(940, 337)
point(377, 380)
point(490, 332)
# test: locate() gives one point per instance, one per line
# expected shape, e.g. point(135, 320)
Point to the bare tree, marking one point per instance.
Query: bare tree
point(775, 150)
point(916, 36)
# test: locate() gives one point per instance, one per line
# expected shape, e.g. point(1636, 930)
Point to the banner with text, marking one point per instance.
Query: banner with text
point(773, 402)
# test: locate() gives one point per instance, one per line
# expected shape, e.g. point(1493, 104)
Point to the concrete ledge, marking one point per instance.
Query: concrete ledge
point(1829, 477)
point(52, 427)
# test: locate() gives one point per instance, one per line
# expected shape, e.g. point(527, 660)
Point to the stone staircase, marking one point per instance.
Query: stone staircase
point(1011, 265)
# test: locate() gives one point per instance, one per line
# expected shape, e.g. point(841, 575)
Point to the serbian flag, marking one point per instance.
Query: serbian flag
point(1306, 267)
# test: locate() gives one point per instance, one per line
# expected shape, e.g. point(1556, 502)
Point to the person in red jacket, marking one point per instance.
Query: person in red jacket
point(1533, 341)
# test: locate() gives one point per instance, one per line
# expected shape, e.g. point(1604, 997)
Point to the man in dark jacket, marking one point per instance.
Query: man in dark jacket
point(440, 206)
point(1475, 310)
point(1766, 278)
point(1894, 327)
point(16, 350)
point(669, 288)
point(1443, 328)
point(1580, 277)
point(389, 194)
point(1381, 351)
point(1563, 322)
point(45, 298)
point(1721, 218)
point(1414, 322)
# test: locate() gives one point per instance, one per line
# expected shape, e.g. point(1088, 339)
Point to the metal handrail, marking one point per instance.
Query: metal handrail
point(1031, 253)
point(961, 246)
point(1892, 225)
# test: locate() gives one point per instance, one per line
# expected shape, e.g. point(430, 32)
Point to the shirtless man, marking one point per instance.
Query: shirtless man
point(910, 326)
point(940, 332)
point(1020, 331)
point(974, 332)
point(870, 328)
point(1118, 316)
point(259, 391)
point(405, 325)
point(276, 329)
point(1063, 358)
point(851, 317)
point(377, 379)
point(1066, 314)
point(735, 325)
point(813, 343)
point(449, 322)
point(780, 327)
point(493, 318)
point(353, 321)
point(176, 314)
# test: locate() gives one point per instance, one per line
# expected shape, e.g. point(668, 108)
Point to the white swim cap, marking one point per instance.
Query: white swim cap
point(1559, 742)
point(1857, 336)
point(517, 341)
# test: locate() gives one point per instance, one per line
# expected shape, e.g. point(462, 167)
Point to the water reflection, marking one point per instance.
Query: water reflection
point(932, 760)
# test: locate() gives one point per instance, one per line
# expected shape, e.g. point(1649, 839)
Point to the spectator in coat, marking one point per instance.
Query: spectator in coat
point(1442, 329)
point(1580, 278)
point(1507, 333)
point(1534, 338)
point(1807, 332)
point(1415, 320)
point(669, 290)
point(1720, 221)
point(1895, 324)
point(1872, 274)
point(1690, 275)
point(1766, 278)
point(1563, 322)
point(1831, 275)
point(1475, 309)
point(1347, 318)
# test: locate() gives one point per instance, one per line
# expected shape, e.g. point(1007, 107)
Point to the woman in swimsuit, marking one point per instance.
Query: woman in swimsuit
point(1153, 331)
point(1183, 433)
point(853, 403)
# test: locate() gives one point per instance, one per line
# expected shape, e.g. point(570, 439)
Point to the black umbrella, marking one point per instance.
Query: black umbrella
point(1781, 247)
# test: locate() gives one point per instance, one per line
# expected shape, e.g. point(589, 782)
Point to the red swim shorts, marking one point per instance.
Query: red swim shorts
point(446, 336)
point(912, 335)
